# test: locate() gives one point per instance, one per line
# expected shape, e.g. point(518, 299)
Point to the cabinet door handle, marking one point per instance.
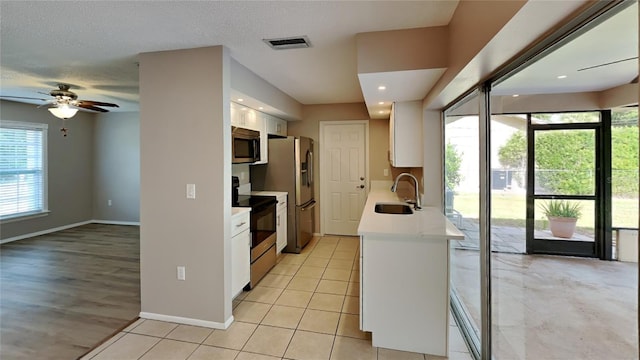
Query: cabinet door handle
point(242, 223)
point(278, 220)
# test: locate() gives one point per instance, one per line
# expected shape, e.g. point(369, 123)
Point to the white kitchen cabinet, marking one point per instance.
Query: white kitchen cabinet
point(281, 223)
point(247, 118)
point(240, 250)
point(405, 134)
point(264, 138)
point(405, 302)
point(276, 126)
point(244, 117)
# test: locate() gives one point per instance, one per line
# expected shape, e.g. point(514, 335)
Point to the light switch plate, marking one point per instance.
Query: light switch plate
point(191, 191)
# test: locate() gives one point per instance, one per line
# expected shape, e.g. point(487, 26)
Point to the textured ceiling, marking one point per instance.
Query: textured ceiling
point(94, 44)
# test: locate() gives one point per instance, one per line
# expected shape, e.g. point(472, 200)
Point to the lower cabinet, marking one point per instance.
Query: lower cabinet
point(405, 303)
point(240, 253)
point(281, 223)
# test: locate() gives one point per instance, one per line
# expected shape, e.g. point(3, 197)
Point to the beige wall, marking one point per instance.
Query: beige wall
point(379, 150)
point(485, 35)
point(249, 84)
point(398, 50)
point(619, 96)
point(70, 169)
point(378, 146)
point(185, 140)
point(309, 126)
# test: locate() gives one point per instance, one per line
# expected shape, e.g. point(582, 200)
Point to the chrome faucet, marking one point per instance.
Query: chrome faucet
point(418, 204)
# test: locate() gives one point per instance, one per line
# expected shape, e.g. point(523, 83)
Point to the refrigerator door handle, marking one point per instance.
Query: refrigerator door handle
point(310, 167)
point(310, 206)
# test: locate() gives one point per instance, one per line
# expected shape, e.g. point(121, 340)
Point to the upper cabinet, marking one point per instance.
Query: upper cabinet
point(244, 117)
point(276, 126)
point(264, 138)
point(405, 134)
point(248, 118)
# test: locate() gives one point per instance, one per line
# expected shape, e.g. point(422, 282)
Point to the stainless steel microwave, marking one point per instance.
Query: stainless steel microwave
point(245, 145)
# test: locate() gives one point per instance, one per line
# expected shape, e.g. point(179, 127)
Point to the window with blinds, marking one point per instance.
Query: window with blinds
point(23, 169)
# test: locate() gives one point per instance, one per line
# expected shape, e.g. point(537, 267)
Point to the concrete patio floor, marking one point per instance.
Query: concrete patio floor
point(552, 307)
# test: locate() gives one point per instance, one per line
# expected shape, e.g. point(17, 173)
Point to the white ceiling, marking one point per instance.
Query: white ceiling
point(609, 42)
point(94, 44)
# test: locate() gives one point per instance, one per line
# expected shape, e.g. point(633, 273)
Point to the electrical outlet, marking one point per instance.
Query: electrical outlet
point(181, 273)
point(385, 172)
point(191, 191)
point(109, 202)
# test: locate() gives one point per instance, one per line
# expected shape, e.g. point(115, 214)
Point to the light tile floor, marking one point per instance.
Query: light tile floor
point(305, 308)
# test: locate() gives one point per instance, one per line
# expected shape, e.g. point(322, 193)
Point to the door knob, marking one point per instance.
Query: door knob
point(361, 177)
point(360, 187)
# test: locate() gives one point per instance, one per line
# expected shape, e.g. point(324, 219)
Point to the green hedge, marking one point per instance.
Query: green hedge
point(565, 160)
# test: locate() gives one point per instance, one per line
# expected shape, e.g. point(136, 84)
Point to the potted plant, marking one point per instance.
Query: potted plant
point(562, 216)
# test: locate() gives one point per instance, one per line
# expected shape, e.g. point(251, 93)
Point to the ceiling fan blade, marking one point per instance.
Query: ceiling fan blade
point(96, 103)
point(90, 107)
point(48, 102)
point(22, 97)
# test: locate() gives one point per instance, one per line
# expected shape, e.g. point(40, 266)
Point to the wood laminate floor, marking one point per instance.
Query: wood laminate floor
point(63, 293)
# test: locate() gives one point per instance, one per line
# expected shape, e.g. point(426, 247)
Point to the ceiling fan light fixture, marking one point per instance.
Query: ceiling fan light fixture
point(63, 111)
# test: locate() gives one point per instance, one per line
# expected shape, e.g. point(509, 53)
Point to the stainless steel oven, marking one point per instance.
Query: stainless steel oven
point(263, 237)
point(263, 231)
point(245, 145)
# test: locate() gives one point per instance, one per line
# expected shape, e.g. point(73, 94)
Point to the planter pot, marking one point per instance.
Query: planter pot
point(562, 227)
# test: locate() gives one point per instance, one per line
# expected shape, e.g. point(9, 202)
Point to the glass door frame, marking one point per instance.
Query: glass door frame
point(601, 247)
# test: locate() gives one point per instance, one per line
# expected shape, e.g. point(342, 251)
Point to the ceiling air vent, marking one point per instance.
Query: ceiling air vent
point(296, 42)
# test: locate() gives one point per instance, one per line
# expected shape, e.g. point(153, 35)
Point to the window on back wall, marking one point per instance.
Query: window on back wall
point(23, 169)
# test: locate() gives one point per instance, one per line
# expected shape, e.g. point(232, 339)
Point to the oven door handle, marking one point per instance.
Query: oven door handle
point(310, 206)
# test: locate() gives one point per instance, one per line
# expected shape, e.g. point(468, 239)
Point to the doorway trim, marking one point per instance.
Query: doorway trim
point(323, 165)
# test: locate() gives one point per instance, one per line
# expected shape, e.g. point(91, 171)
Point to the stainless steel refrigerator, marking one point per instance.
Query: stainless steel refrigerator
point(290, 169)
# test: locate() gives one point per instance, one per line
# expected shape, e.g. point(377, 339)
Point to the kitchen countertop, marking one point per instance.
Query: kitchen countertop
point(428, 223)
point(236, 211)
point(269, 193)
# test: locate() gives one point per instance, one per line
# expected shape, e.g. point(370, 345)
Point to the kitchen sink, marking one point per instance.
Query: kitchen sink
point(398, 209)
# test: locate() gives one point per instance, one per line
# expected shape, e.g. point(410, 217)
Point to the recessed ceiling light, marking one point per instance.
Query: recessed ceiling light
point(240, 99)
point(562, 76)
point(381, 103)
point(515, 95)
point(380, 112)
point(261, 108)
point(382, 87)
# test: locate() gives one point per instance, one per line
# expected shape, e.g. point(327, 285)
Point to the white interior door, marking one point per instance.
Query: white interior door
point(345, 183)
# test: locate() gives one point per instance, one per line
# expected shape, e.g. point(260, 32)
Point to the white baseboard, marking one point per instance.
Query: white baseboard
point(65, 227)
point(110, 222)
point(187, 321)
point(43, 232)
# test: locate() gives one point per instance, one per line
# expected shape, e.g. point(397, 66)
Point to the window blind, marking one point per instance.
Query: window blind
point(22, 168)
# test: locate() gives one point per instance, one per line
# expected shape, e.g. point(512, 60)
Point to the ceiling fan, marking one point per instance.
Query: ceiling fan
point(64, 96)
point(65, 103)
